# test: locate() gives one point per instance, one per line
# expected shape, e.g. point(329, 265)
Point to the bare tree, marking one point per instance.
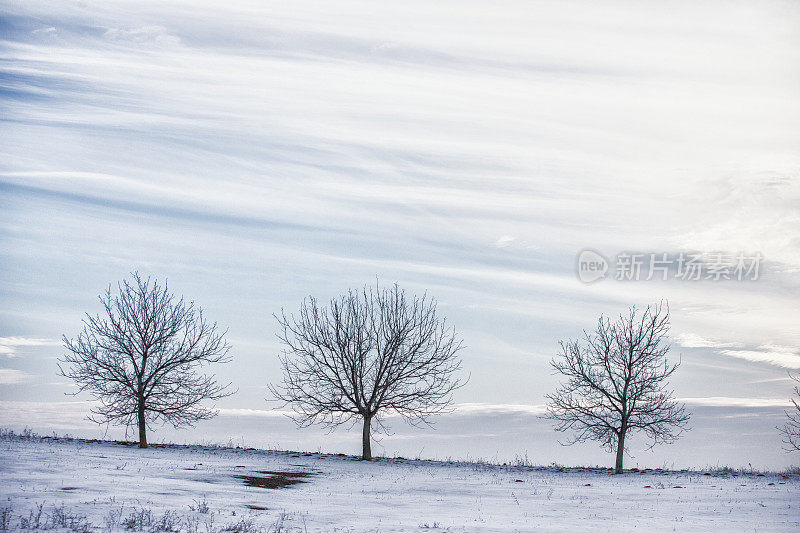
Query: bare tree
point(369, 353)
point(616, 382)
point(791, 429)
point(142, 358)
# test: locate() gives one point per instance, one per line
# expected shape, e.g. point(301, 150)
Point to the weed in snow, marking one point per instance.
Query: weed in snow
point(5, 517)
point(200, 506)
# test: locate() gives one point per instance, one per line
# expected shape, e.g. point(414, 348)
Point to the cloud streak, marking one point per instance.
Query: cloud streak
point(9, 346)
point(722, 401)
point(10, 376)
point(782, 356)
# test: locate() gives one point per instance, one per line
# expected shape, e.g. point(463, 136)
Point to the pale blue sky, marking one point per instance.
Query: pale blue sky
point(254, 153)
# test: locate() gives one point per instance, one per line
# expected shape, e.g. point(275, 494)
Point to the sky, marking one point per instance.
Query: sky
point(256, 153)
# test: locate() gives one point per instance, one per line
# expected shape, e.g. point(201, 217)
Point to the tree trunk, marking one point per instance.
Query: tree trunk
point(366, 449)
point(142, 425)
point(620, 450)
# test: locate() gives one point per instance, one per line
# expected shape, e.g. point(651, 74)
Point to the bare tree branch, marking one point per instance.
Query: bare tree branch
point(142, 358)
point(791, 429)
point(616, 381)
point(369, 353)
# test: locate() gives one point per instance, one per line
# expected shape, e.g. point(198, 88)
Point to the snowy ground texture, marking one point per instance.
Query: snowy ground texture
point(99, 486)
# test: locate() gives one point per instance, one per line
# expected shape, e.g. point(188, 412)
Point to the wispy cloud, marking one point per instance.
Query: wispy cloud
point(505, 241)
point(724, 401)
point(691, 340)
point(10, 376)
point(783, 356)
point(9, 346)
point(773, 354)
point(143, 35)
point(253, 413)
point(47, 416)
point(503, 408)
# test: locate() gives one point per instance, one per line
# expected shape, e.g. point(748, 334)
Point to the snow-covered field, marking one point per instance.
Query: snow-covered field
point(115, 485)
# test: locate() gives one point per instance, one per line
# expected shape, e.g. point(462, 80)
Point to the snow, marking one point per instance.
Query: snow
point(342, 494)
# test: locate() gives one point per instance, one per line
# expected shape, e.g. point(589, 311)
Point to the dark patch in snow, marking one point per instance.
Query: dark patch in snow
point(256, 507)
point(70, 488)
point(274, 479)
